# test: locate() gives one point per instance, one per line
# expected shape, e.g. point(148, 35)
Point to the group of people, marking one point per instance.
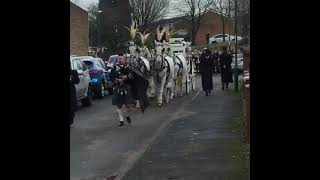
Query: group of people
point(128, 88)
point(208, 63)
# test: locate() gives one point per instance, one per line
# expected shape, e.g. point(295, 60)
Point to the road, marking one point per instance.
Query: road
point(100, 149)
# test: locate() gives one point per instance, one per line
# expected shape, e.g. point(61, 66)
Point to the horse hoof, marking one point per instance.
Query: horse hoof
point(159, 105)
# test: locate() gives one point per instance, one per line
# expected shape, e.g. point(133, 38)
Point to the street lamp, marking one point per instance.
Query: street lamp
point(236, 50)
point(98, 26)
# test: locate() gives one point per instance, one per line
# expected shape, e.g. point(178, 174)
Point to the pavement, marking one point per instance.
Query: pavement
point(205, 144)
point(192, 137)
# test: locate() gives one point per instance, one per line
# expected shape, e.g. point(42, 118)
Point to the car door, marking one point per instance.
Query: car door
point(83, 84)
point(79, 86)
point(220, 38)
point(86, 76)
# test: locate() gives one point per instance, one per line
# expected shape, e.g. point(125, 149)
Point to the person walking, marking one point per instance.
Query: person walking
point(225, 60)
point(74, 79)
point(122, 92)
point(206, 67)
point(215, 58)
point(197, 61)
point(129, 86)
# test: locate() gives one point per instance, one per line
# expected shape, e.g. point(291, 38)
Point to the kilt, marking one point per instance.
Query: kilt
point(119, 99)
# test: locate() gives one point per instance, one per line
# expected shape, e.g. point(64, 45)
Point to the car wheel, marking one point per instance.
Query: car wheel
point(87, 101)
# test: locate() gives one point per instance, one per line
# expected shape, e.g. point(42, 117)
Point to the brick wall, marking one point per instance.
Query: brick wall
point(79, 30)
point(211, 23)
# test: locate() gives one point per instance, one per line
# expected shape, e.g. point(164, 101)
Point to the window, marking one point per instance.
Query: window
point(79, 65)
point(218, 36)
point(101, 63)
point(84, 67)
point(75, 65)
point(112, 60)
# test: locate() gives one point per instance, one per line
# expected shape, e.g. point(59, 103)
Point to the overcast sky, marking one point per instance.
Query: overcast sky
point(85, 3)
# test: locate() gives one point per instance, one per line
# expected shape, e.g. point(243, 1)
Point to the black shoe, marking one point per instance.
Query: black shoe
point(121, 123)
point(222, 88)
point(128, 119)
point(209, 91)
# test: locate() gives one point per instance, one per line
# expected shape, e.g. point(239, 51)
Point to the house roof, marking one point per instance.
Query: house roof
point(71, 3)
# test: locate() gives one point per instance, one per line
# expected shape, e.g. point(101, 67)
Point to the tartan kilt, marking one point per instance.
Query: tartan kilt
point(124, 99)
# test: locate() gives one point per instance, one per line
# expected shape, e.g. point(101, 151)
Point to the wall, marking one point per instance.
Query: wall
point(79, 31)
point(211, 23)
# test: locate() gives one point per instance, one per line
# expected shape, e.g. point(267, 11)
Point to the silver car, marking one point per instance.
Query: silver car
point(83, 89)
point(239, 62)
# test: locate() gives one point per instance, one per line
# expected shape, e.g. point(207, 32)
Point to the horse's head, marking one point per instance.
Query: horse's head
point(158, 48)
point(132, 48)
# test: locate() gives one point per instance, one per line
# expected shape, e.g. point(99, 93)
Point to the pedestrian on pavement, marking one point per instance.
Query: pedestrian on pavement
point(215, 58)
point(197, 62)
point(74, 79)
point(206, 67)
point(225, 61)
point(122, 89)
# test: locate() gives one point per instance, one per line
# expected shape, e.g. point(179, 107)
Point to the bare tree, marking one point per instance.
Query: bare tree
point(244, 13)
point(225, 9)
point(93, 24)
point(194, 10)
point(147, 12)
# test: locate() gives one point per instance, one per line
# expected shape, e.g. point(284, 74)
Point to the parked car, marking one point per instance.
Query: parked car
point(83, 89)
point(239, 62)
point(219, 38)
point(97, 75)
point(107, 78)
point(112, 61)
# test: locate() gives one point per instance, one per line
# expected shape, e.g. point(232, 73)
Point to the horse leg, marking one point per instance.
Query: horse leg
point(167, 95)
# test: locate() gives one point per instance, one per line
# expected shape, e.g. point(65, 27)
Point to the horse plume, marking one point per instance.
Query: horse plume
point(133, 29)
point(144, 38)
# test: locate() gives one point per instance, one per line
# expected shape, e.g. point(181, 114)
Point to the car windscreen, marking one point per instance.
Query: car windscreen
point(112, 60)
point(92, 65)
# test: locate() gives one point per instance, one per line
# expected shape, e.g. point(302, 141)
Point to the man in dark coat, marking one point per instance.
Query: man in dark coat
point(215, 58)
point(225, 66)
point(206, 64)
point(74, 79)
point(127, 86)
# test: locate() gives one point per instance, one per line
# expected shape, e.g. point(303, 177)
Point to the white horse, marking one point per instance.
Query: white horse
point(162, 71)
point(181, 68)
point(146, 56)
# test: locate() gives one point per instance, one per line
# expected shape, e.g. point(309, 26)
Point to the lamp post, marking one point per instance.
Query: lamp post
point(99, 29)
point(236, 49)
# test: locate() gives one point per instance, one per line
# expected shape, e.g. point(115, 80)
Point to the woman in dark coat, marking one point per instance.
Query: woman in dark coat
point(225, 61)
point(74, 79)
point(215, 57)
point(206, 70)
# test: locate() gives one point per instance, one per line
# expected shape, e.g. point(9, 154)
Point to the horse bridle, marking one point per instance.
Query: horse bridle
point(162, 62)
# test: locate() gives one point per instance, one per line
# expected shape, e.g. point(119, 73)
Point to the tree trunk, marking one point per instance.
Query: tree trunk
point(193, 38)
point(223, 29)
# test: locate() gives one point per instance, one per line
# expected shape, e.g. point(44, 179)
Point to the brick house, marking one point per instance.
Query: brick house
point(211, 23)
point(79, 30)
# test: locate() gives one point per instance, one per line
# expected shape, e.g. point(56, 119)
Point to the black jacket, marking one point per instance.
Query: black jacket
point(74, 79)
